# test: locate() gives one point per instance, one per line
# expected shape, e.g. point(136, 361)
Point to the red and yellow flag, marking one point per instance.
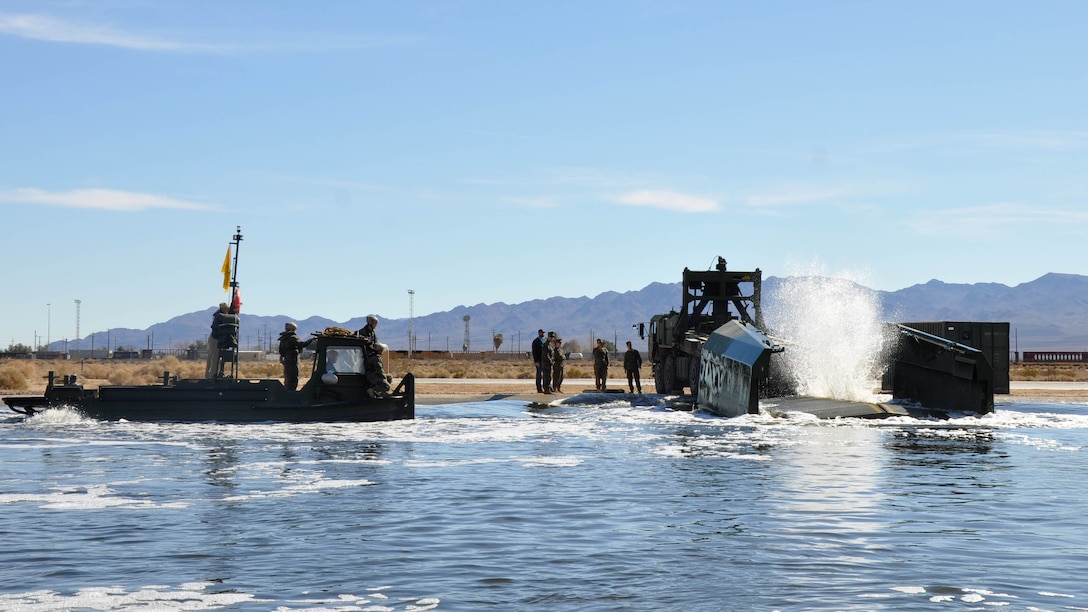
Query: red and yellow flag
point(226, 270)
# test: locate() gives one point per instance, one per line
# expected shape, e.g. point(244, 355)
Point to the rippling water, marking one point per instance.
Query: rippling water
point(499, 505)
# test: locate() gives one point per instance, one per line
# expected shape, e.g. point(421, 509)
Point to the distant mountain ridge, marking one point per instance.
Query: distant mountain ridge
point(1049, 313)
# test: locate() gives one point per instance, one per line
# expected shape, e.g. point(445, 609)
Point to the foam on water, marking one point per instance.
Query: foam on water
point(203, 596)
point(94, 497)
point(568, 507)
point(833, 333)
point(59, 416)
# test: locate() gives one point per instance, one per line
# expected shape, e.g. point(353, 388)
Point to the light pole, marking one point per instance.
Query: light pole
point(411, 325)
point(78, 302)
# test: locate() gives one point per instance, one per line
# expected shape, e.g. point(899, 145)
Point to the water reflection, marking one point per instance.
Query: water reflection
point(222, 458)
point(922, 446)
point(834, 476)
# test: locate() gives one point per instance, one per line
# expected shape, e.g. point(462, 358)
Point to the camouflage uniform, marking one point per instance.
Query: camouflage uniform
point(600, 366)
point(557, 366)
point(547, 359)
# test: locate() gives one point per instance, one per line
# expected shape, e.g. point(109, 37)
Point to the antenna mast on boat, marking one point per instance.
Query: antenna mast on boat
point(234, 274)
point(235, 301)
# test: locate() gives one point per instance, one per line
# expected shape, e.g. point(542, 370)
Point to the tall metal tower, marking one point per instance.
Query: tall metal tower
point(464, 347)
point(78, 302)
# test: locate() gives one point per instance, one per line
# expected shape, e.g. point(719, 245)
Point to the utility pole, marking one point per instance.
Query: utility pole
point(78, 302)
point(48, 323)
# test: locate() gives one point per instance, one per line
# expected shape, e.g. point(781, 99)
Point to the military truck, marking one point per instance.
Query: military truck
point(710, 299)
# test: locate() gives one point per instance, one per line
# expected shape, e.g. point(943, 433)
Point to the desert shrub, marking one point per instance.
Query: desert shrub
point(575, 373)
point(91, 369)
point(154, 369)
point(120, 377)
point(169, 363)
point(190, 369)
point(265, 369)
point(28, 368)
point(14, 379)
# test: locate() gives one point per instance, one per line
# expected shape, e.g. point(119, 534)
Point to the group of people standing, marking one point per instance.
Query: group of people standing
point(632, 362)
point(547, 351)
point(548, 358)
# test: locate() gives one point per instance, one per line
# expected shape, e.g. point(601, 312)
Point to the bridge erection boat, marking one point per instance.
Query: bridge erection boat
point(338, 391)
point(346, 384)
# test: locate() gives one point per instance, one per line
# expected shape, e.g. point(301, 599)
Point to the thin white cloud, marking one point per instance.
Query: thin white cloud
point(98, 199)
point(47, 28)
point(52, 29)
point(668, 200)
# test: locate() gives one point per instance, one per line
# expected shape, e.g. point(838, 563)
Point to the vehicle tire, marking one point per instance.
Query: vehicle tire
point(659, 376)
point(693, 376)
point(665, 375)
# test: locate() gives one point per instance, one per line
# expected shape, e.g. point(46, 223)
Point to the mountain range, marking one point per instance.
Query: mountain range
point(1049, 313)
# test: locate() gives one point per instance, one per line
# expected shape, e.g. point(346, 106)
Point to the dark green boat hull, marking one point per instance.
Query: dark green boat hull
point(224, 400)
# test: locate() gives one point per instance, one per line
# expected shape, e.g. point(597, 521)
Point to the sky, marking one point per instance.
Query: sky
point(490, 151)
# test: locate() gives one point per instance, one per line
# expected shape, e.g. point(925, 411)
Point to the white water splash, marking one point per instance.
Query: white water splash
point(832, 330)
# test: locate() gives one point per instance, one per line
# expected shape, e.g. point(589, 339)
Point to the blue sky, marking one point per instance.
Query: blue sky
point(482, 152)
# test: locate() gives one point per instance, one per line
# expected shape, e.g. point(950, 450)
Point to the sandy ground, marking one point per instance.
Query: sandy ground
point(448, 391)
point(454, 390)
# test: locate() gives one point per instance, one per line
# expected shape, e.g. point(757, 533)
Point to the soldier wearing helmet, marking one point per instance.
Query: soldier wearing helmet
point(290, 347)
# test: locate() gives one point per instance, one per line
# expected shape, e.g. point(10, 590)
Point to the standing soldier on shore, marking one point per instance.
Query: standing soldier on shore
point(557, 366)
point(632, 361)
point(290, 347)
point(600, 365)
point(538, 352)
point(547, 360)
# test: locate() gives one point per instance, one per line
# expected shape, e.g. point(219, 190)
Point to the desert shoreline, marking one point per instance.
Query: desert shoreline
point(458, 381)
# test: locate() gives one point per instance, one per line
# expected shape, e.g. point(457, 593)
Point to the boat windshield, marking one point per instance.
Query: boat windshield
point(344, 360)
